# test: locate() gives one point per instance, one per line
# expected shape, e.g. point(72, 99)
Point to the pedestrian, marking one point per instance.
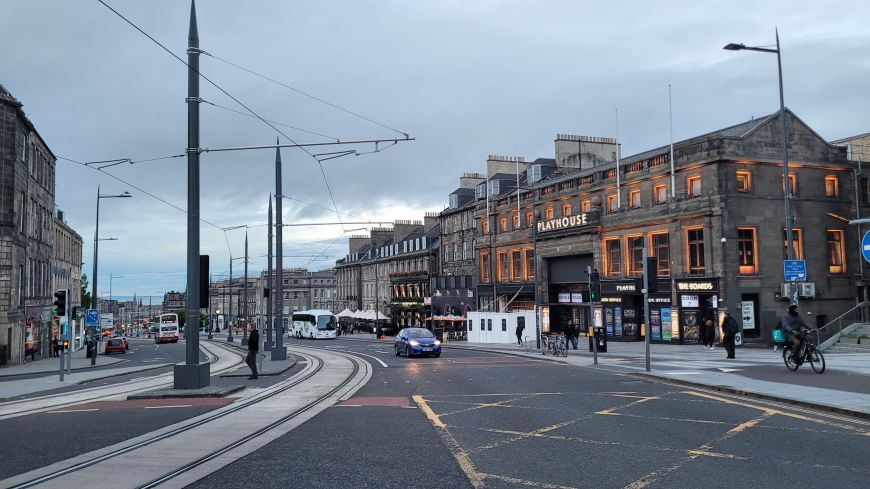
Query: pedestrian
point(253, 349)
point(572, 334)
point(53, 347)
point(729, 331)
point(709, 334)
point(519, 331)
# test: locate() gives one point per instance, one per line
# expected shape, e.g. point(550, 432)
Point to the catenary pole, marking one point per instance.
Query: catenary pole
point(269, 339)
point(279, 352)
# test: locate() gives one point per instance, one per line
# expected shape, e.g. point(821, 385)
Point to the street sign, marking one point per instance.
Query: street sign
point(865, 246)
point(794, 270)
point(747, 313)
point(92, 318)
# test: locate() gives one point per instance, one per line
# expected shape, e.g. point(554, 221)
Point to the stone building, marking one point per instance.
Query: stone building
point(173, 302)
point(227, 298)
point(453, 290)
point(715, 224)
point(67, 265)
point(27, 167)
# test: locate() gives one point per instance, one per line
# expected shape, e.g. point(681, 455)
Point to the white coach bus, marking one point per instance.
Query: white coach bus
point(315, 324)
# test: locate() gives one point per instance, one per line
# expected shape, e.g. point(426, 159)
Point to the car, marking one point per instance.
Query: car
point(116, 345)
point(417, 341)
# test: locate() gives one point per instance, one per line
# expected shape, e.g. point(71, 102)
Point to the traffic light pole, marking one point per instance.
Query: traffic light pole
point(646, 280)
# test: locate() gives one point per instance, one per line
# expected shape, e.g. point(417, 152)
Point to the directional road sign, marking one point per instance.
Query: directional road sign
point(92, 318)
point(865, 246)
point(795, 270)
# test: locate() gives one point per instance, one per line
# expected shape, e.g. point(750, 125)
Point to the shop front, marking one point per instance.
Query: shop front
point(622, 306)
point(697, 301)
point(568, 292)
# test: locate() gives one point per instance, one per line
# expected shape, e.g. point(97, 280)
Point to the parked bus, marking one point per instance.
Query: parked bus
point(315, 324)
point(167, 328)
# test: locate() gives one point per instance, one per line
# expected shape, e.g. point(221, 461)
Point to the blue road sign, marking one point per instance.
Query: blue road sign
point(794, 270)
point(865, 246)
point(92, 318)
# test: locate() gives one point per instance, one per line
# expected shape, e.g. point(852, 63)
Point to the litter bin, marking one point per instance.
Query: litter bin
point(601, 338)
point(4, 350)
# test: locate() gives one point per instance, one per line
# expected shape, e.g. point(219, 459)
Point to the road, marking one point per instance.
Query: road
point(473, 419)
point(477, 419)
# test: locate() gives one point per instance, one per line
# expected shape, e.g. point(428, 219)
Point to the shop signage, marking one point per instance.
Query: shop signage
point(564, 297)
point(700, 286)
point(567, 222)
point(747, 313)
point(689, 301)
point(611, 300)
point(659, 300)
point(576, 297)
point(625, 288)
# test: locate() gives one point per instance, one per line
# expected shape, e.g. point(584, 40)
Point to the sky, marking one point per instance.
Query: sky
point(464, 78)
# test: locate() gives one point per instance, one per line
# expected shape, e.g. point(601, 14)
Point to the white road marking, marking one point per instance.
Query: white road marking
point(729, 369)
point(167, 407)
point(72, 411)
point(347, 405)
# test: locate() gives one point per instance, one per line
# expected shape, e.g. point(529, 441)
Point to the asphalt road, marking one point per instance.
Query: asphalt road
point(478, 419)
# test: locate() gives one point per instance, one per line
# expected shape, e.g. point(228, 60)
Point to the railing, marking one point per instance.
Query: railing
point(828, 334)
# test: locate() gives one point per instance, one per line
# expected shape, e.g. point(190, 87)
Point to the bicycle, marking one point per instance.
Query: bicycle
point(808, 353)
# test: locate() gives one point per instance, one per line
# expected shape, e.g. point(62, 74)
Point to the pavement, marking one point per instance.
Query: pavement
point(52, 365)
point(267, 367)
point(756, 372)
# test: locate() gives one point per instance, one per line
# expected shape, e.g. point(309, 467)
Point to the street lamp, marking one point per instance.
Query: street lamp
point(124, 195)
point(789, 219)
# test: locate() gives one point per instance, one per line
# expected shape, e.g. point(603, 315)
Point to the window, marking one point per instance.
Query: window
point(832, 186)
point(516, 221)
point(516, 265)
point(446, 254)
point(660, 194)
point(611, 203)
point(502, 224)
point(634, 199)
point(797, 237)
point(549, 213)
point(744, 181)
point(484, 226)
point(693, 185)
point(865, 191)
point(747, 251)
point(484, 267)
point(792, 183)
point(695, 245)
point(586, 206)
point(464, 250)
point(454, 201)
point(836, 251)
point(530, 263)
point(613, 255)
point(634, 249)
point(660, 245)
point(528, 219)
point(504, 266)
point(566, 209)
point(465, 220)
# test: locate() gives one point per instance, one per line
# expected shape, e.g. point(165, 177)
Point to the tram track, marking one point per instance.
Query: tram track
point(32, 405)
point(358, 373)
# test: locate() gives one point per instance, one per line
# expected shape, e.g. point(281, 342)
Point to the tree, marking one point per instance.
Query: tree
point(86, 296)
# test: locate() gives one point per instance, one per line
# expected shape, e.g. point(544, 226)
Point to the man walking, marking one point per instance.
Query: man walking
point(572, 334)
point(253, 348)
point(519, 331)
point(729, 331)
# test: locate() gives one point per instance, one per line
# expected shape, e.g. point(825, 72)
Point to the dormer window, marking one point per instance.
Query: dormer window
point(495, 187)
point(454, 201)
point(534, 173)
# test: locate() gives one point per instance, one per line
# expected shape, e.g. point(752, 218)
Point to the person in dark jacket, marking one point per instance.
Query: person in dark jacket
point(519, 331)
point(792, 324)
point(253, 348)
point(572, 334)
point(729, 331)
point(709, 335)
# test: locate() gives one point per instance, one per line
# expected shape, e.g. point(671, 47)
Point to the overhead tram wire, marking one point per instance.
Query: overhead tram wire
point(273, 122)
point(221, 89)
point(313, 97)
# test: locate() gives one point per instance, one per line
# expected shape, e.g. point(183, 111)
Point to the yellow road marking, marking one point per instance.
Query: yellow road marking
point(428, 411)
point(639, 401)
point(705, 453)
point(745, 426)
point(462, 458)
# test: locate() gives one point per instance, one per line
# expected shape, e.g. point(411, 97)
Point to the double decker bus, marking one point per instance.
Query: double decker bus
point(167, 328)
point(315, 324)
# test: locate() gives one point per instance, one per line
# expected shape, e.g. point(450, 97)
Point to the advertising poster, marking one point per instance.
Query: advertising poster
point(691, 326)
point(666, 323)
point(617, 321)
point(630, 326)
point(655, 324)
point(608, 320)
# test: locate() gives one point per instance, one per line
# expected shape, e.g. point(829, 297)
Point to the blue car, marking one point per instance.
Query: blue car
point(417, 341)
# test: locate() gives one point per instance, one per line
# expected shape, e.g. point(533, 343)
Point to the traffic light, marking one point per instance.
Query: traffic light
point(594, 286)
point(652, 274)
point(60, 303)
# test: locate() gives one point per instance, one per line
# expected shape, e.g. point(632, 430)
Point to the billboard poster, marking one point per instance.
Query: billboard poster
point(608, 320)
point(691, 326)
point(629, 324)
point(666, 323)
point(617, 321)
point(655, 324)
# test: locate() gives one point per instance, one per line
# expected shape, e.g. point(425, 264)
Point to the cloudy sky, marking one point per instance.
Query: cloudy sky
point(465, 78)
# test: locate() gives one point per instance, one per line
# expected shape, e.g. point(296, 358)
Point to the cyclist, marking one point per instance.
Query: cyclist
point(792, 324)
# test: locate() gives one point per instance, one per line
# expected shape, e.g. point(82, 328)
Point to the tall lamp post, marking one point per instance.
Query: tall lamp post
point(789, 218)
point(97, 240)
